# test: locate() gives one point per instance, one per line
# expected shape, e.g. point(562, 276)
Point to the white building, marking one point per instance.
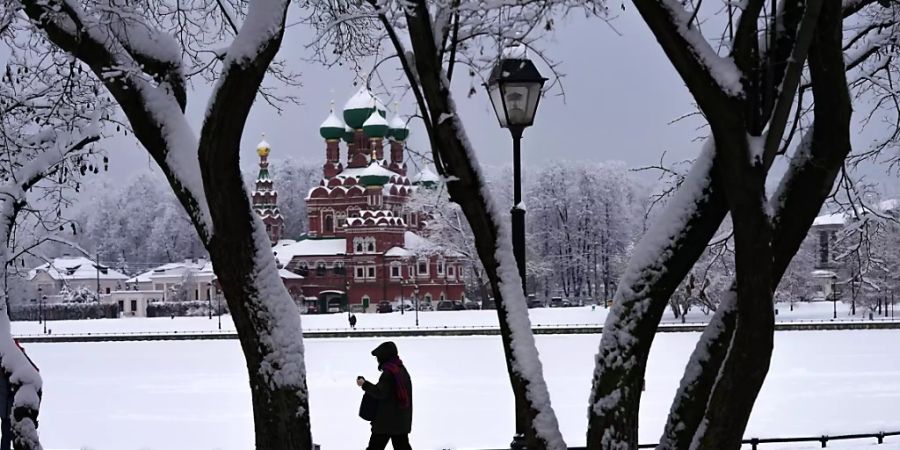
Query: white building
point(74, 272)
point(179, 281)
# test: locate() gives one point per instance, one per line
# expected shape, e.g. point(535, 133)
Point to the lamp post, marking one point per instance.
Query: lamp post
point(219, 309)
point(834, 294)
point(209, 298)
point(514, 88)
point(43, 319)
point(416, 300)
point(40, 306)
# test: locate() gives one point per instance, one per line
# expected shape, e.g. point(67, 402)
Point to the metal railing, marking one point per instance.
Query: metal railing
point(755, 443)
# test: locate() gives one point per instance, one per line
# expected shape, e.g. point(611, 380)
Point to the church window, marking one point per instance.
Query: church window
point(371, 271)
point(423, 267)
point(440, 267)
point(320, 269)
point(450, 271)
point(370, 247)
point(339, 268)
point(395, 270)
point(360, 272)
point(329, 224)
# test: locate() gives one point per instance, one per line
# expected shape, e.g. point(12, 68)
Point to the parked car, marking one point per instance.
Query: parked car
point(559, 302)
point(471, 305)
point(445, 305)
point(458, 305)
point(489, 304)
point(426, 306)
point(534, 302)
point(384, 307)
point(405, 305)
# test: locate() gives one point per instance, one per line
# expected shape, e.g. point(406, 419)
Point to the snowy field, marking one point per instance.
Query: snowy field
point(175, 395)
point(539, 317)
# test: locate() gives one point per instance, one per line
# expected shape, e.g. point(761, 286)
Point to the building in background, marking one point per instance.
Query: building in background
point(364, 244)
point(71, 273)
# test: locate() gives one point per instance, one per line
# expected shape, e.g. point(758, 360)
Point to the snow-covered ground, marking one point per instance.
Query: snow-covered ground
point(194, 395)
point(486, 318)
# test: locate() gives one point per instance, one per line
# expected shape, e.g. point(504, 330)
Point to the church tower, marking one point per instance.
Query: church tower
point(265, 198)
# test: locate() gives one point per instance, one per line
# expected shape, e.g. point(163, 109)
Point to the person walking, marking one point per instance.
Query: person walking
point(393, 392)
point(353, 321)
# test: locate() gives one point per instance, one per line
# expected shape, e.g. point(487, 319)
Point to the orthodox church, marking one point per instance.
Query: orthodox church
point(364, 244)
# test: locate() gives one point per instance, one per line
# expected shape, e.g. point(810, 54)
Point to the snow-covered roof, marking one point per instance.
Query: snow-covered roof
point(76, 268)
point(375, 119)
point(398, 252)
point(175, 270)
point(397, 123)
point(364, 99)
point(822, 273)
point(310, 247)
point(425, 176)
point(829, 219)
point(838, 218)
point(332, 121)
point(376, 170)
point(288, 275)
point(514, 52)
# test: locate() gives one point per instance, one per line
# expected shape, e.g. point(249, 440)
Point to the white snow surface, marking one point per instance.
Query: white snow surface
point(193, 395)
point(310, 247)
point(397, 123)
point(375, 119)
point(265, 20)
point(722, 69)
point(332, 121)
point(282, 363)
point(540, 317)
point(364, 99)
point(75, 268)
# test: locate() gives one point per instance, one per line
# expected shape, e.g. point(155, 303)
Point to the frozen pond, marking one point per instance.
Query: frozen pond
point(193, 394)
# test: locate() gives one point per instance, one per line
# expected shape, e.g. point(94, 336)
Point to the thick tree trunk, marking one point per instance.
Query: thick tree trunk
point(805, 187)
point(534, 415)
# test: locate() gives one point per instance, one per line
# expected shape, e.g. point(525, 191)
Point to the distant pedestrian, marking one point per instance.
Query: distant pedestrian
point(393, 415)
point(353, 321)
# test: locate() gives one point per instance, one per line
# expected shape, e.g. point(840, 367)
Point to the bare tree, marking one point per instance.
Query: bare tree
point(144, 53)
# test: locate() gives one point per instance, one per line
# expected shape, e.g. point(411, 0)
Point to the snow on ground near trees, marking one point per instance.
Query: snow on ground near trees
point(487, 318)
point(173, 395)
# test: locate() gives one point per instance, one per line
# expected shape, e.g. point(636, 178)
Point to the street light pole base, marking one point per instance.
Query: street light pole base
point(518, 442)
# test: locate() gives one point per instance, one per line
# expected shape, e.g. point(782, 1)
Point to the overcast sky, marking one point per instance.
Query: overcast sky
point(621, 95)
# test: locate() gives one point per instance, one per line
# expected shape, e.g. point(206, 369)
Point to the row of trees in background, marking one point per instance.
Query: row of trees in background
point(583, 219)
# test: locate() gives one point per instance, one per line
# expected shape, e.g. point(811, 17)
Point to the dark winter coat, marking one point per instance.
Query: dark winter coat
point(391, 418)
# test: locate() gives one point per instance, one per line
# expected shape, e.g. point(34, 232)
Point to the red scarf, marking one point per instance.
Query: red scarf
point(393, 367)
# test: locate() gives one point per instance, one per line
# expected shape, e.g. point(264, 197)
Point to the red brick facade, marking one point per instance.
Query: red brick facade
point(363, 242)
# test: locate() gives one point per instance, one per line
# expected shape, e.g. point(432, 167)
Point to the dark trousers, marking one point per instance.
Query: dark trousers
point(398, 441)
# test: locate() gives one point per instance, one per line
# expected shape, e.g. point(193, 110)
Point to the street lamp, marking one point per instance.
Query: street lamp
point(834, 293)
point(416, 300)
point(43, 319)
point(40, 306)
point(219, 309)
point(209, 298)
point(514, 88)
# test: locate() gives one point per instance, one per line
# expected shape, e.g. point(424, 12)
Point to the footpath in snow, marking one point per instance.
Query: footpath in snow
point(540, 317)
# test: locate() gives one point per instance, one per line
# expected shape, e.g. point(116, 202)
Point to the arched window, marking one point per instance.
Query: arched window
point(370, 247)
point(329, 224)
point(427, 297)
point(320, 269)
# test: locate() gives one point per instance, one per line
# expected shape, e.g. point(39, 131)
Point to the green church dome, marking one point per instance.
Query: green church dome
point(375, 126)
point(358, 109)
point(332, 128)
point(375, 175)
point(398, 129)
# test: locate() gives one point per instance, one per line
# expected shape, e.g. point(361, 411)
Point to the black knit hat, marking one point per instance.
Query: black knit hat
point(385, 351)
